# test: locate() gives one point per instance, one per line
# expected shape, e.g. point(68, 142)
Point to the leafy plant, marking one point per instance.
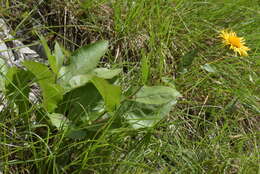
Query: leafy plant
point(80, 94)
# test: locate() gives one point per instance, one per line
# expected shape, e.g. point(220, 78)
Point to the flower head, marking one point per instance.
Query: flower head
point(237, 44)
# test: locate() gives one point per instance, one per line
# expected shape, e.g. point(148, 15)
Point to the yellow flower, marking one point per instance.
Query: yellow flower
point(237, 44)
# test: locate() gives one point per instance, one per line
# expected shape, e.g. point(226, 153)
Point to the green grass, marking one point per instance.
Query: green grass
point(214, 128)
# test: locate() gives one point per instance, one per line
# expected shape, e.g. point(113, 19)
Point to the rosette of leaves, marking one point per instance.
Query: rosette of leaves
point(81, 97)
point(80, 80)
point(85, 90)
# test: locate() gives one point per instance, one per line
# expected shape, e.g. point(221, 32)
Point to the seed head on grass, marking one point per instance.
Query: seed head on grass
point(237, 44)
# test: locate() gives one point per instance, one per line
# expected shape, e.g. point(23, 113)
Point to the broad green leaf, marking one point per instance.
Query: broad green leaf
point(74, 81)
point(59, 56)
point(141, 115)
point(106, 73)
point(41, 71)
point(87, 58)
point(110, 93)
point(84, 103)
point(149, 105)
point(59, 120)
point(51, 59)
point(83, 61)
point(208, 68)
point(52, 92)
point(3, 71)
point(17, 88)
point(79, 80)
point(63, 78)
point(156, 95)
point(52, 95)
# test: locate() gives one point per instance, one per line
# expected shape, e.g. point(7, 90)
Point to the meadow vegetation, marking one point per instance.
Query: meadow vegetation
point(199, 101)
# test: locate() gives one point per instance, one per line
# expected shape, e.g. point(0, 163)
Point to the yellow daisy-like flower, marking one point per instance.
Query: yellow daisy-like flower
point(237, 44)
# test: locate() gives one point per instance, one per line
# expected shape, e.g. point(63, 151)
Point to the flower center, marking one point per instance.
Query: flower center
point(235, 41)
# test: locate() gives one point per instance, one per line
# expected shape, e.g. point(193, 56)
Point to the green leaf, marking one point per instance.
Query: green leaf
point(87, 58)
point(156, 95)
point(17, 88)
point(141, 115)
point(52, 92)
point(40, 71)
point(51, 58)
point(83, 61)
point(64, 78)
point(106, 73)
point(59, 120)
point(52, 95)
point(110, 93)
point(3, 71)
point(83, 103)
point(59, 56)
point(149, 105)
point(79, 80)
point(208, 68)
